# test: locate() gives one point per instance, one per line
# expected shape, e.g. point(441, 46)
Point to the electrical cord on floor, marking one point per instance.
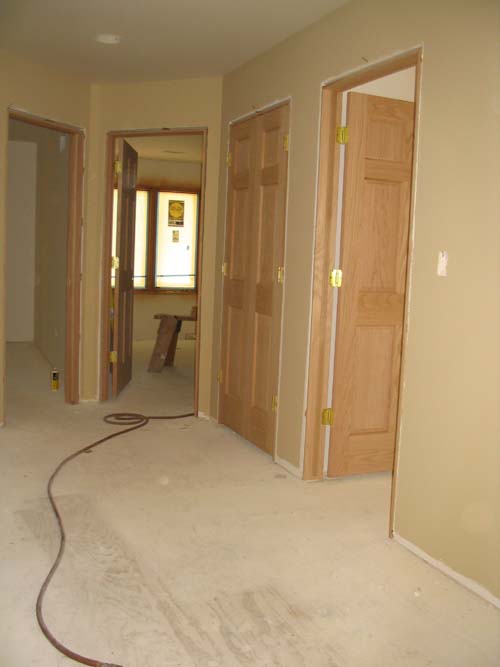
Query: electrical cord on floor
point(133, 421)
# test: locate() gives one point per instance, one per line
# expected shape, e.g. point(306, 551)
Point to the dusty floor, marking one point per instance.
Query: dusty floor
point(188, 546)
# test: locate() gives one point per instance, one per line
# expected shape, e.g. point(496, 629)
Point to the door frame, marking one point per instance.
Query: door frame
point(73, 245)
point(111, 137)
point(318, 380)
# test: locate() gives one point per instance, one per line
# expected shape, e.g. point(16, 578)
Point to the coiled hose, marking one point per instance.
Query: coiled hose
point(133, 421)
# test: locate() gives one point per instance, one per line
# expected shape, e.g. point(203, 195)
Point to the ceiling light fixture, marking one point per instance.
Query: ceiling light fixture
point(108, 38)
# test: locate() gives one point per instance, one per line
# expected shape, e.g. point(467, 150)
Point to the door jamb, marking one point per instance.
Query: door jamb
point(106, 245)
point(324, 258)
point(73, 245)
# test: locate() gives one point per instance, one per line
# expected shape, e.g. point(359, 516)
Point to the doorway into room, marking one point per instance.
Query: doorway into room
point(152, 264)
point(43, 272)
point(362, 255)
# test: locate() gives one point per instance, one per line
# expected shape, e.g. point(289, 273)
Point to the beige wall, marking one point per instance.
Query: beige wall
point(397, 86)
point(46, 93)
point(148, 106)
point(21, 214)
point(449, 473)
point(169, 173)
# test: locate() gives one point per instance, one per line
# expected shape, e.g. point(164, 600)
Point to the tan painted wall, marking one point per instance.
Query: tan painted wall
point(449, 479)
point(51, 228)
point(146, 106)
point(397, 86)
point(21, 215)
point(169, 173)
point(49, 94)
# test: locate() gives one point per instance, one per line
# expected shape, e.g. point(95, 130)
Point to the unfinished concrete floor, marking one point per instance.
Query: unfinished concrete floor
point(188, 546)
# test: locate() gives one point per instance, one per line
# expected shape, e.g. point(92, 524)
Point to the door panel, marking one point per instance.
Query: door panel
point(374, 248)
point(234, 353)
point(124, 281)
point(266, 297)
point(254, 250)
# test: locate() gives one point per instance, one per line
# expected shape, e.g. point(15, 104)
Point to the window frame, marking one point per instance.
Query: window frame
point(152, 228)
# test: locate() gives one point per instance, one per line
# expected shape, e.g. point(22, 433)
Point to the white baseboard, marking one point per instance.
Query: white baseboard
point(449, 572)
point(293, 470)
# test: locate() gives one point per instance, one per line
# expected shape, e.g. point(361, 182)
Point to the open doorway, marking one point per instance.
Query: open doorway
point(44, 215)
point(152, 263)
point(363, 251)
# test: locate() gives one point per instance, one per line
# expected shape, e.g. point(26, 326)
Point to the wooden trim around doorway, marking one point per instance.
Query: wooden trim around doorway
point(324, 257)
point(106, 254)
point(74, 245)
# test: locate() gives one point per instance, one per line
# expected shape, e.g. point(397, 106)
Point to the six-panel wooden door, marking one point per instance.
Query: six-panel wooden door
point(253, 276)
point(374, 249)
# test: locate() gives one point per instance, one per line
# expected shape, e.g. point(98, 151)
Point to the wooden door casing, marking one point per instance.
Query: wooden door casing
point(374, 250)
point(124, 281)
point(252, 296)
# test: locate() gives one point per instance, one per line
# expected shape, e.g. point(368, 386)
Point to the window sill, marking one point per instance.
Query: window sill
point(166, 291)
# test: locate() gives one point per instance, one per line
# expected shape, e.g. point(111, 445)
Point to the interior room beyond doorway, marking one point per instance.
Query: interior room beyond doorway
point(38, 201)
point(168, 207)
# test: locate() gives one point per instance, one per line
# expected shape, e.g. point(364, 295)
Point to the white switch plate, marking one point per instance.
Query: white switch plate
point(442, 265)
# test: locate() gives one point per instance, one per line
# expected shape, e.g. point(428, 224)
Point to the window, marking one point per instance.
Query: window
point(166, 238)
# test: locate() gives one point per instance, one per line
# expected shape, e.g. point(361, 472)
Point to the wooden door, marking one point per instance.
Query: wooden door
point(252, 298)
point(233, 392)
point(374, 249)
point(267, 257)
point(124, 281)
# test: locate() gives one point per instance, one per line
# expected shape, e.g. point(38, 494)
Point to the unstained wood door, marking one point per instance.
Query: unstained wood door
point(123, 317)
point(254, 275)
point(374, 251)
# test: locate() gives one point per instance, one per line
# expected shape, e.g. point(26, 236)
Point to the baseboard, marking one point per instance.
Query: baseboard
point(449, 572)
point(208, 418)
point(293, 470)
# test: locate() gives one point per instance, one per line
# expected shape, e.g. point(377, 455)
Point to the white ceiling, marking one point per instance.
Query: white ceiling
point(161, 39)
point(174, 147)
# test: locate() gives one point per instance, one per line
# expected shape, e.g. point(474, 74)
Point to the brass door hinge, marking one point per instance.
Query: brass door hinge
point(327, 417)
point(113, 356)
point(274, 403)
point(224, 268)
point(286, 142)
point(342, 134)
point(336, 278)
point(118, 167)
point(115, 262)
point(229, 159)
point(219, 376)
point(281, 275)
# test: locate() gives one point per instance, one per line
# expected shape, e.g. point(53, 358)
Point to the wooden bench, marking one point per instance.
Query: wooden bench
point(166, 339)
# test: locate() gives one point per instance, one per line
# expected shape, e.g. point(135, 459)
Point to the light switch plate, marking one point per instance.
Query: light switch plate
point(442, 265)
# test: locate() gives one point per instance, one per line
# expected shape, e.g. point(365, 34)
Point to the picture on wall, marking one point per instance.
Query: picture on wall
point(175, 213)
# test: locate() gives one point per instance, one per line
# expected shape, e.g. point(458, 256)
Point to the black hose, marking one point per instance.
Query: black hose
point(133, 421)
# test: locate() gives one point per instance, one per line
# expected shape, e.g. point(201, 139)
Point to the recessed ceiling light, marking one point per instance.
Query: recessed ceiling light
point(108, 38)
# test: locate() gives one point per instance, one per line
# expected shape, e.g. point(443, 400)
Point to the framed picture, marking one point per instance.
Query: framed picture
point(175, 213)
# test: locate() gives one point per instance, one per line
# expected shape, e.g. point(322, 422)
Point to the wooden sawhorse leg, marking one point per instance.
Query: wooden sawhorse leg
point(169, 361)
point(167, 331)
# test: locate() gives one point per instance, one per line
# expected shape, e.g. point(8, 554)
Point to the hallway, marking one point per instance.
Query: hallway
point(188, 546)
